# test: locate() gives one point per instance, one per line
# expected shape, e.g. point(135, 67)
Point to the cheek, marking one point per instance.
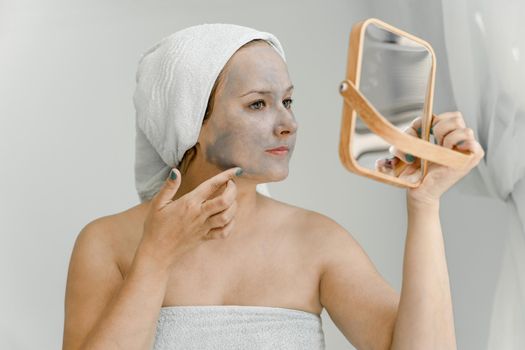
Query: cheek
point(227, 150)
point(245, 147)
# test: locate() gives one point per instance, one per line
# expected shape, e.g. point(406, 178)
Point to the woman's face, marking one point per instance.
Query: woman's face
point(251, 115)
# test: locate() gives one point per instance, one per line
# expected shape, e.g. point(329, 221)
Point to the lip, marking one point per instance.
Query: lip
point(278, 149)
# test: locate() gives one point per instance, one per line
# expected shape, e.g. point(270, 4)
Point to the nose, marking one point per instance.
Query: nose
point(286, 125)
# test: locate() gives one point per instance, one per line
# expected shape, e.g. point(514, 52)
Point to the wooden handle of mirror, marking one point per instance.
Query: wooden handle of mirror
point(403, 141)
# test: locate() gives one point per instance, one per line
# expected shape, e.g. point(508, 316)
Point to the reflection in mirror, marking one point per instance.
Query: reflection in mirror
point(394, 77)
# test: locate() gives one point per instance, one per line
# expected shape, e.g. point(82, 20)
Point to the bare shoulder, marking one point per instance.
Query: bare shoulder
point(93, 276)
point(310, 220)
point(334, 244)
point(111, 238)
point(322, 232)
point(331, 240)
point(97, 243)
point(358, 299)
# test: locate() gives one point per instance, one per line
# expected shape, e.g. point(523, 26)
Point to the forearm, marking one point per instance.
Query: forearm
point(129, 321)
point(425, 317)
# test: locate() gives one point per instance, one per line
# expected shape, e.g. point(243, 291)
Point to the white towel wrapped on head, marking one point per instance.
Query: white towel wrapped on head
point(174, 81)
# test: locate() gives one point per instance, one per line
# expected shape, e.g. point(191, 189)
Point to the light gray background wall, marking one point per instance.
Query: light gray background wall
point(67, 72)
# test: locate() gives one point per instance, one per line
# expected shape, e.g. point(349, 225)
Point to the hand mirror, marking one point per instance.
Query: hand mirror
point(390, 82)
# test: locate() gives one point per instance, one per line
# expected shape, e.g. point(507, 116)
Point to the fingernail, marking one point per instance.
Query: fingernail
point(432, 130)
point(419, 131)
point(409, 157)
point(239, 172)
point(460, 143)
point(173, 174)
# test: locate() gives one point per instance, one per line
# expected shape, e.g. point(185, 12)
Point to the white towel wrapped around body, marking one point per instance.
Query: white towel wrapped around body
point(174, 81)
point(239, 327)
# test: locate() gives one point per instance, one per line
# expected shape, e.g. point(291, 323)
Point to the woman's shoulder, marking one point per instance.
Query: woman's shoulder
point(308, 221)
point(115, 225)
point(115, 235)
point(318, 236)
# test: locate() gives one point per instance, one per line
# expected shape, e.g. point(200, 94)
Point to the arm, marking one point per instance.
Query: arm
point(103, 310)
point(368, 311)
point(361, 303)
point(425, 318)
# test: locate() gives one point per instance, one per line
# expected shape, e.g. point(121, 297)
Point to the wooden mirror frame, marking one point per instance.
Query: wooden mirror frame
point(355, 102)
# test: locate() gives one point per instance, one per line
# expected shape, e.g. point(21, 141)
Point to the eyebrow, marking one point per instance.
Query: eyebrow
point(263, 92)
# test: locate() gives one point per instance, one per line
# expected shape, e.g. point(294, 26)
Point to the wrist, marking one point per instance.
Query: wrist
point(146, 262)
point(416, 203)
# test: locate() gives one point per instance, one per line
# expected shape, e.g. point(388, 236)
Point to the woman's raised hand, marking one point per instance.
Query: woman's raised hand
point(450, 131)
point(173, 227)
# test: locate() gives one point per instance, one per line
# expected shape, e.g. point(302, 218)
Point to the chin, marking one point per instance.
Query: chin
point(270, 175)
point(276, 175)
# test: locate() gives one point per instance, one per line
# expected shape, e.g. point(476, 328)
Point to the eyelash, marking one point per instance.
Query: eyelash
point(258, 101)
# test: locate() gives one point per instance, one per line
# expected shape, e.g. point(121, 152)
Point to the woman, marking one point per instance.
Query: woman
point(207, 262)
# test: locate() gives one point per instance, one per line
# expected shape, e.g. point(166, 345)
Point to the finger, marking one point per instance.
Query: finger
point(222, 218)
point(474, 147)
point(411, 173)
point(210, 186)
point(220, 232)
point(447, 115)
point(410, 169)
point(446, 123)
point(168, 190)
point(221, 202)
point(457, 137)
point(416, 124)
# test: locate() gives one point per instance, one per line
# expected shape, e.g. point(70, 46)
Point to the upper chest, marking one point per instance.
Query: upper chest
point(277, 271)
point(274, 266)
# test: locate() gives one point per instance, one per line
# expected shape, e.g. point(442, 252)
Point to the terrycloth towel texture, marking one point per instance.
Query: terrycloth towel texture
point(174, 81)
point(233, 327)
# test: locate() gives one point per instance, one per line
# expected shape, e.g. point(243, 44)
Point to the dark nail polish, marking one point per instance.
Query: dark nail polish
point(460, 143)
point(419, 131)
point(409, 157)
point(432, 130)
point(239, 172)
point(173, 174)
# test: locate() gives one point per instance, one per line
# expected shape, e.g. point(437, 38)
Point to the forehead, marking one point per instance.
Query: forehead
point(257, 63)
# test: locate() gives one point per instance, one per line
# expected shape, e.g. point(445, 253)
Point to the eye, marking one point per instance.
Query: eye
point(288, 102)
point(257, 104)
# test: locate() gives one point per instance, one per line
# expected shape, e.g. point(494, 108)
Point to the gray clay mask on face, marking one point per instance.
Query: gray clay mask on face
point(242, 129)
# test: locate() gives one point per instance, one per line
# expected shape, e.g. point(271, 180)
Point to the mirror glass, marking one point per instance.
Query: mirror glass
point(394, 77)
